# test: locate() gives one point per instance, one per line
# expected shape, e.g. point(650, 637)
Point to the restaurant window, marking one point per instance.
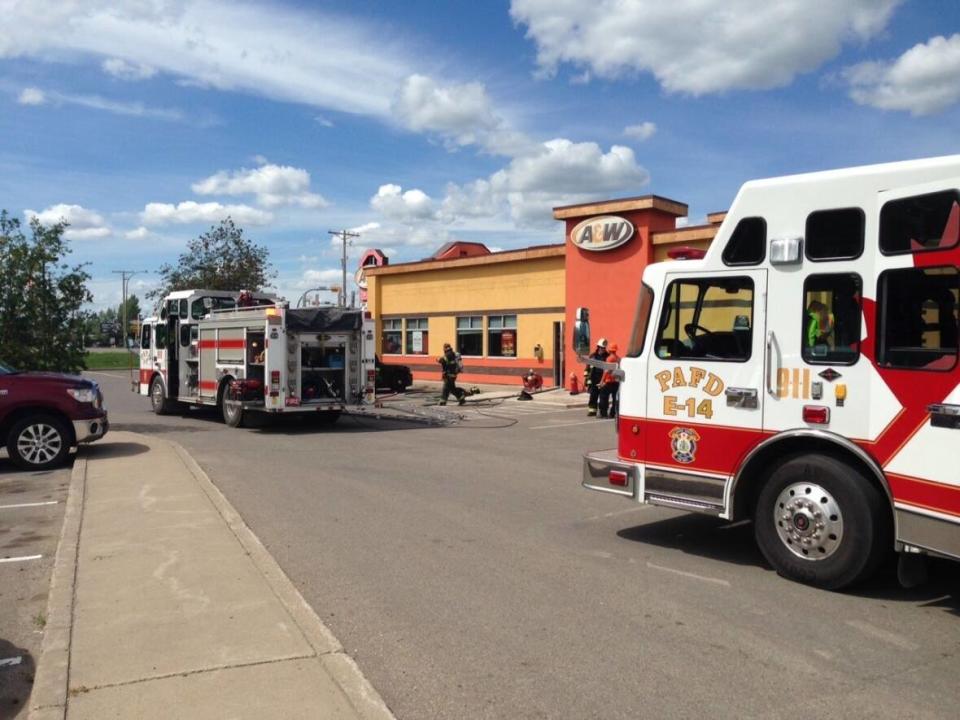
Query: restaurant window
point(831, 319)
point(391, 336)
point(835, 234)
point(921, 222)
point(417, 335)
point(470, 335)
point(918, 318)
point(502, 336)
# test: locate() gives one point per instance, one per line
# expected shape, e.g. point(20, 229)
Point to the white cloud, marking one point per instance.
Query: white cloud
point(140, 233)
point(83, 224)
point(262, 48)
point(323, 122)
point(462, 114)
point(561, 173)
point(642, 131)
point(365, 228)
point(194, 212)
point(923, 81)
point(698, 46)
point(273, 186)
point(395, 204)
point(32, 96)
point(123, 70)
point(36, 96)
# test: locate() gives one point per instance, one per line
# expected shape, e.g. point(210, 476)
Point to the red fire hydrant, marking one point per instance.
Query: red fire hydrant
point(574, 384)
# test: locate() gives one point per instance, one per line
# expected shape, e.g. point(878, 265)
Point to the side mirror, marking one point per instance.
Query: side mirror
point(581, 332)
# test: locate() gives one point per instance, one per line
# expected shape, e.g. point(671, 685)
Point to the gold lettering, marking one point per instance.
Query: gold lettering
point(783, 382)
point(678, 379)
point(696, 375)
point(796, 383)
point(663, 377)
point(670, 405)
point(806, 383)
point(714, 385)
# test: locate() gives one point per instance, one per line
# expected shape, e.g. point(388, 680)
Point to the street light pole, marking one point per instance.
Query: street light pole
point(126, 275)
point(343, 235)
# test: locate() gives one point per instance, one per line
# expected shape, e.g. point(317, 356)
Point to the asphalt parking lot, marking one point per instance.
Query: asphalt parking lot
point(31, 515)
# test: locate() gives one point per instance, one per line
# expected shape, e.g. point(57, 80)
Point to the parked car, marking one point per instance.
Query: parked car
point(43, 415)
point(393, 377)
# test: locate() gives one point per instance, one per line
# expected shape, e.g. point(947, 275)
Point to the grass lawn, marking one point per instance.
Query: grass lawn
point(112, 360)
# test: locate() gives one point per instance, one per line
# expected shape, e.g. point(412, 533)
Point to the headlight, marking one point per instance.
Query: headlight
point(84, 395)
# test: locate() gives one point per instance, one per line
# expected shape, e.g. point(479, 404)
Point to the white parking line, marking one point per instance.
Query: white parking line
point(704, 578)
point(20, 559)
point(9, 662)
point(23, 505)
point(559, 425)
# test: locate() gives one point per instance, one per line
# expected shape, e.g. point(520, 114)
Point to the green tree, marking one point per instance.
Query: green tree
point(133, 308)
point(41, 296)
point(220, 259)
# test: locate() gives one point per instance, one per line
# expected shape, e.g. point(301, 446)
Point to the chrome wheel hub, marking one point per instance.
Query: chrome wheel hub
point(39, 443)
point(808, 521)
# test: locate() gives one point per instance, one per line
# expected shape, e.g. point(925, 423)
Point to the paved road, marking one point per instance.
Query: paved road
point(31, 515)
point(471, 577)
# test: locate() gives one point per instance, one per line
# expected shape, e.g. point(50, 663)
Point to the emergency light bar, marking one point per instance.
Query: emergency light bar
point(686, 253)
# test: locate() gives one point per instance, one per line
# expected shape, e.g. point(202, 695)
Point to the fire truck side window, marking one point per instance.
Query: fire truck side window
point(160, 337)
point(835, 234)
point(748, 243)
point(921, 222)
point(145, 337)
point(831, 318)
point(918, 325)
point(710, 319)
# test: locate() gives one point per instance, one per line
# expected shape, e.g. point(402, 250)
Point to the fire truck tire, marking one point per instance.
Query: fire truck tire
point(819, 521)
point(38, 442)
point(232, 413)
point(159, 401)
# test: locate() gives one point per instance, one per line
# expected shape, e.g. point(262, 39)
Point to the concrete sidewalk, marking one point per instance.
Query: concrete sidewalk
point(165, 605)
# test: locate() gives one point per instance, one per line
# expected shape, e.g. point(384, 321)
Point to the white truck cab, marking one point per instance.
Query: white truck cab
point(804, 371)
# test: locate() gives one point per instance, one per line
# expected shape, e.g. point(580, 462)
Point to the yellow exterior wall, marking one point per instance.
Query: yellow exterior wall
point(475, 289)
point(513, 285)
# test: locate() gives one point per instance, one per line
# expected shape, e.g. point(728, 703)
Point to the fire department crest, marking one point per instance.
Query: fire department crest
point(683, 442)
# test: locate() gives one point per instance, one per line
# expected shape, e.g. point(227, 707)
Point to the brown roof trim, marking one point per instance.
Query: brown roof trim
point(643, 202)
point(535, 252)
point(715, 218)
point(687, 234)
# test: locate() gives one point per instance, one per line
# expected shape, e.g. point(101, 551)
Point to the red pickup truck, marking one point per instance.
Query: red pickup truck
point(43, 415)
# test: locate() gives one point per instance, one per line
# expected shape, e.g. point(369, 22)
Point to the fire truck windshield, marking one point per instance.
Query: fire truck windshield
point(640, 321)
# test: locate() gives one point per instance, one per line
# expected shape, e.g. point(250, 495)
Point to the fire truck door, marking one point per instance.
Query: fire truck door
point(705, 384)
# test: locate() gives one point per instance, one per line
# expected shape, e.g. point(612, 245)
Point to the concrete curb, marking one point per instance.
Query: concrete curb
point(48, 699)
point(345, 673)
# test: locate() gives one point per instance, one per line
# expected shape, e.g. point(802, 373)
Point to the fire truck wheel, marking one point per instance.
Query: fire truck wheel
point(158, 398)
point(38, 442)
point(232, 413)
point(819, 521)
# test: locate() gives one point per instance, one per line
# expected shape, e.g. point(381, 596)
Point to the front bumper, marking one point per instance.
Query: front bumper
point(596, 473)
point(86, 431)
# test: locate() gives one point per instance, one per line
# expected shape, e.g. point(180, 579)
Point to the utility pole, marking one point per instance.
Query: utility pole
point(344, 236)
point(126, 275)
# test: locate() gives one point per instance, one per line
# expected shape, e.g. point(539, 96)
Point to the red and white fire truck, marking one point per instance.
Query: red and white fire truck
point(250, 352)
point(803, 372)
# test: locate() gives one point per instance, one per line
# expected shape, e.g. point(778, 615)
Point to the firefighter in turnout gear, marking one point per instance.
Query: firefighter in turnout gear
point(451, 365)
point(593, 375)
point(609, 387)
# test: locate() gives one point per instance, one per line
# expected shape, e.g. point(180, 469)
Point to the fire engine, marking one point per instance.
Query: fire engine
point(803, 372)
point(251, 353)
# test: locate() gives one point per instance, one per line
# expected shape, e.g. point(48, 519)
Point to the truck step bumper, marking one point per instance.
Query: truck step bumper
point(605, 472)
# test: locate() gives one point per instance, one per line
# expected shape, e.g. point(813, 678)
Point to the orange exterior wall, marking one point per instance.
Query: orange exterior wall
point(608, 282)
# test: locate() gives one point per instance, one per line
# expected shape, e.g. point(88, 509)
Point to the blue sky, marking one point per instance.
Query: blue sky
point(144, 122)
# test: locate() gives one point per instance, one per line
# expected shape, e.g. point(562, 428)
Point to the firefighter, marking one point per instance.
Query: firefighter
point(820, 324)
point(450, 366)
point(609, 387)
point(592, 377)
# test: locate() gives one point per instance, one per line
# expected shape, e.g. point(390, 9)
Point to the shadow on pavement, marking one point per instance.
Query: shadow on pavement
point(16, 681)
point(715, 539)
point(107, 449)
